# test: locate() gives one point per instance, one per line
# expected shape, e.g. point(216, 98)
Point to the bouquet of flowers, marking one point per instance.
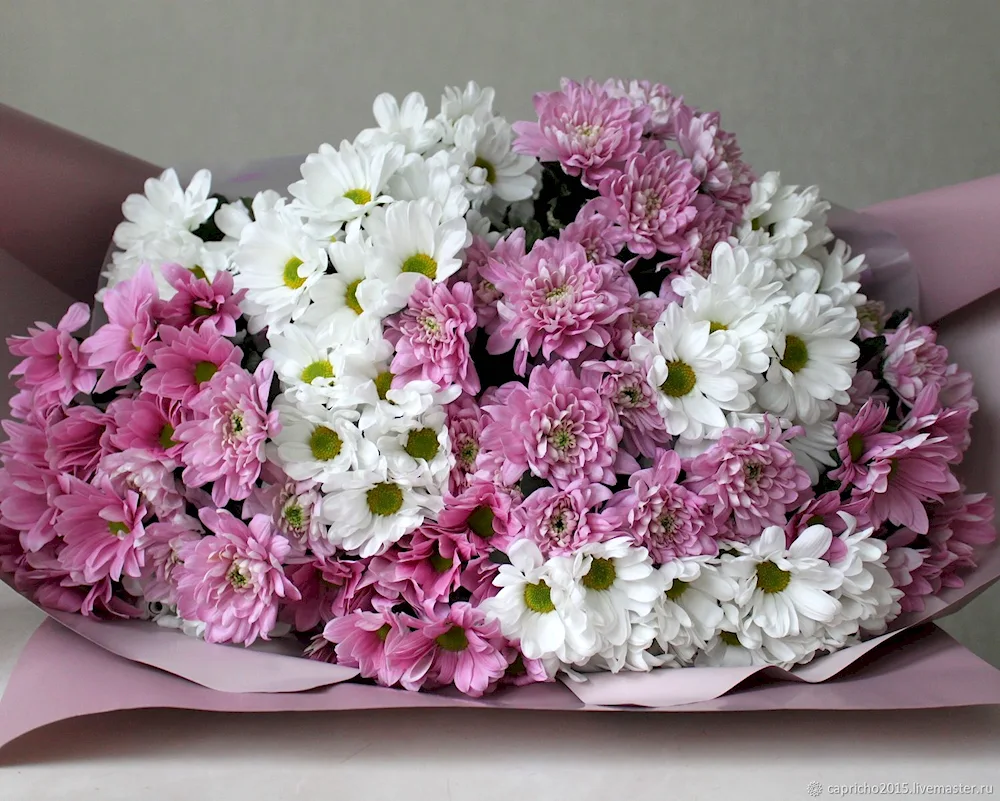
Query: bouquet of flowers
point(478, 403)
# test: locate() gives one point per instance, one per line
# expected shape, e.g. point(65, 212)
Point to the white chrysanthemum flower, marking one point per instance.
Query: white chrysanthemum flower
point(347, 304)
point(308, 362)
point(165, 615)
point(405, 123)
point(418, 449)
point(732, 309)
point(785, 590)
point(638, 653)
point(736, 268)
point(410, 242)
point(814, 358)
point(841, 275)
point(695, 373)
point(868, 599)
point(690, 612)
point(483, 147)
point(165, 208)
point(471, 101)
point(435, 179)
point(617, 579)
point(814, 448)
point(540, 608)
point(372, 510)
point(232, 218)
point(179, 247)
point(342, 185)
point(277, 262)
point(319, 444)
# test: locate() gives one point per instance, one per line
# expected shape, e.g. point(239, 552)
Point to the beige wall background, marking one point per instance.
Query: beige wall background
point(871, 99)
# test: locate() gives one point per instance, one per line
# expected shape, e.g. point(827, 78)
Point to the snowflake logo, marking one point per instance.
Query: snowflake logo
point(815, 789)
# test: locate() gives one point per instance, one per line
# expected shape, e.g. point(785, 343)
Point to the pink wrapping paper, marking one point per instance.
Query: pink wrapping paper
point(129, 665)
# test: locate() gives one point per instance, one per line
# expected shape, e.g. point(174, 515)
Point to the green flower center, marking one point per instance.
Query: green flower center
point(629, 397)
point(680, 380)
point(118, 529)
point(714, 326)
point(236, 578)
point(325, 444)
point(538, 598)
point(351, 296)
point(167, 436)
point(453, 639)
point(601, 575)
point(752, 472)
point(202, 311)
point(291, 275)
point(441, 564)
point(430, 324)
point(318, 369)
point(421, 263)
point(359, 197)
point(294, 516)
point(468, 451)
point(383, 383)
point(236, 423)
point(203, 371)
point(422, 444)
point(557, 293)
point(856, 446)
point(384, 499)
point(562, 438)
point(481, 522)
point(676, 589)
point(730, 638)
point(771, 578)
point(383, 632)
point(491, 171)
point(668, 522)
point(796, 354)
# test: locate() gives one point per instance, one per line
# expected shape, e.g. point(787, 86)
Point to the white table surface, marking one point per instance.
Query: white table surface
point(475, 754)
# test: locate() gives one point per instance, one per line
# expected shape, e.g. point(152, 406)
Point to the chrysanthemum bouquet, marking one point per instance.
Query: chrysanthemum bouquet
point(481, 403)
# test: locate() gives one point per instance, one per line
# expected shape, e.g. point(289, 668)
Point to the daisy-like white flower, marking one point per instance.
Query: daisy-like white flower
point(341, 185)
point(690, 612)
point(232, 218)
point(637, 653)
point(164, 208)
point(737, 269)
point(617, 578)
point(471, 101)
point(696, 373)
point(418, 449)
point(436, 179)
point(813, 448)
point(277, 262)
point(307, 361)
point(410, 242)
point(485, 145)
point(784, 590)
point(814, 359)
point(179, 247)
point(405, 123)
point(373, 510)
point(319, 444)
point(540, 608)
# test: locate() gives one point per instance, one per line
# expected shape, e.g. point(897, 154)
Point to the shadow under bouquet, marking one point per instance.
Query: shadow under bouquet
point(473, 404)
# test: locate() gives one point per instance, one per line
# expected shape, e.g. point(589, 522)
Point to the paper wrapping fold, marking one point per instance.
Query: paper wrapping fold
point(121, 665)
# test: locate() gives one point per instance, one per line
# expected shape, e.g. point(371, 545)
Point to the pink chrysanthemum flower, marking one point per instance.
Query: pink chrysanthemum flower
point(901, 478)
point(458, 647)
point(465, 425)
point(11, 551)
point(147, 422)
point(501, 263)
point(431, 336)
point(584, 129)
point(560, 522)
point(27, 500)
point(749, 480)
point(294, 508)
point(711, 225)
point(79, 441)
point(663, 104)
point(426, 568)
point(958, 527)
point(559, 304)
point(556, 427)
point(661, 515)
point(481, 512)
point(149, 475)
point(198, 301)
point(644, 311)
point(185, 359)
point(602, 239)
point(326, 587)
point(233, 581)
point(859, 439)
point(225, 442)
point(914, 360)
point(121, 347)
point(653, 200)
point(523, 671)
point(365, 640)
point(912, 571)
point(716, 159)
point(164, 543)
point(624, 384)
point(478, 577)
point(102, 529)
point(950, 429)
point(51, 365)
point(865, 387)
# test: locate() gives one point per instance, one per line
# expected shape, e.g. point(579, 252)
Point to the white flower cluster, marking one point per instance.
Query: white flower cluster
point(768, 331)
point(608, 608)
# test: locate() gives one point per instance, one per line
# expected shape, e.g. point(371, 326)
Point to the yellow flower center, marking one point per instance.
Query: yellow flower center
point(730, 638)
point(384, 499)
point(167, 436)
point(491, 171)
point(236, 578)
point(422, 444)
point(420, 263)
point(771, 578)
point(325, 444)
point(856, 446)
point(676, 589)
point(481, 522)
point(290, 275)
point(383, 632)
point(796, 354)
point(538, 598)
point(358, 196)
point(319, 369)
point(453, 639)
point(441, 564)
point(351, 296)
point(680, 380)
point(601, 575)
point(714, 326)
point(383, 383)
point(118, 529)
point(203, 371)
